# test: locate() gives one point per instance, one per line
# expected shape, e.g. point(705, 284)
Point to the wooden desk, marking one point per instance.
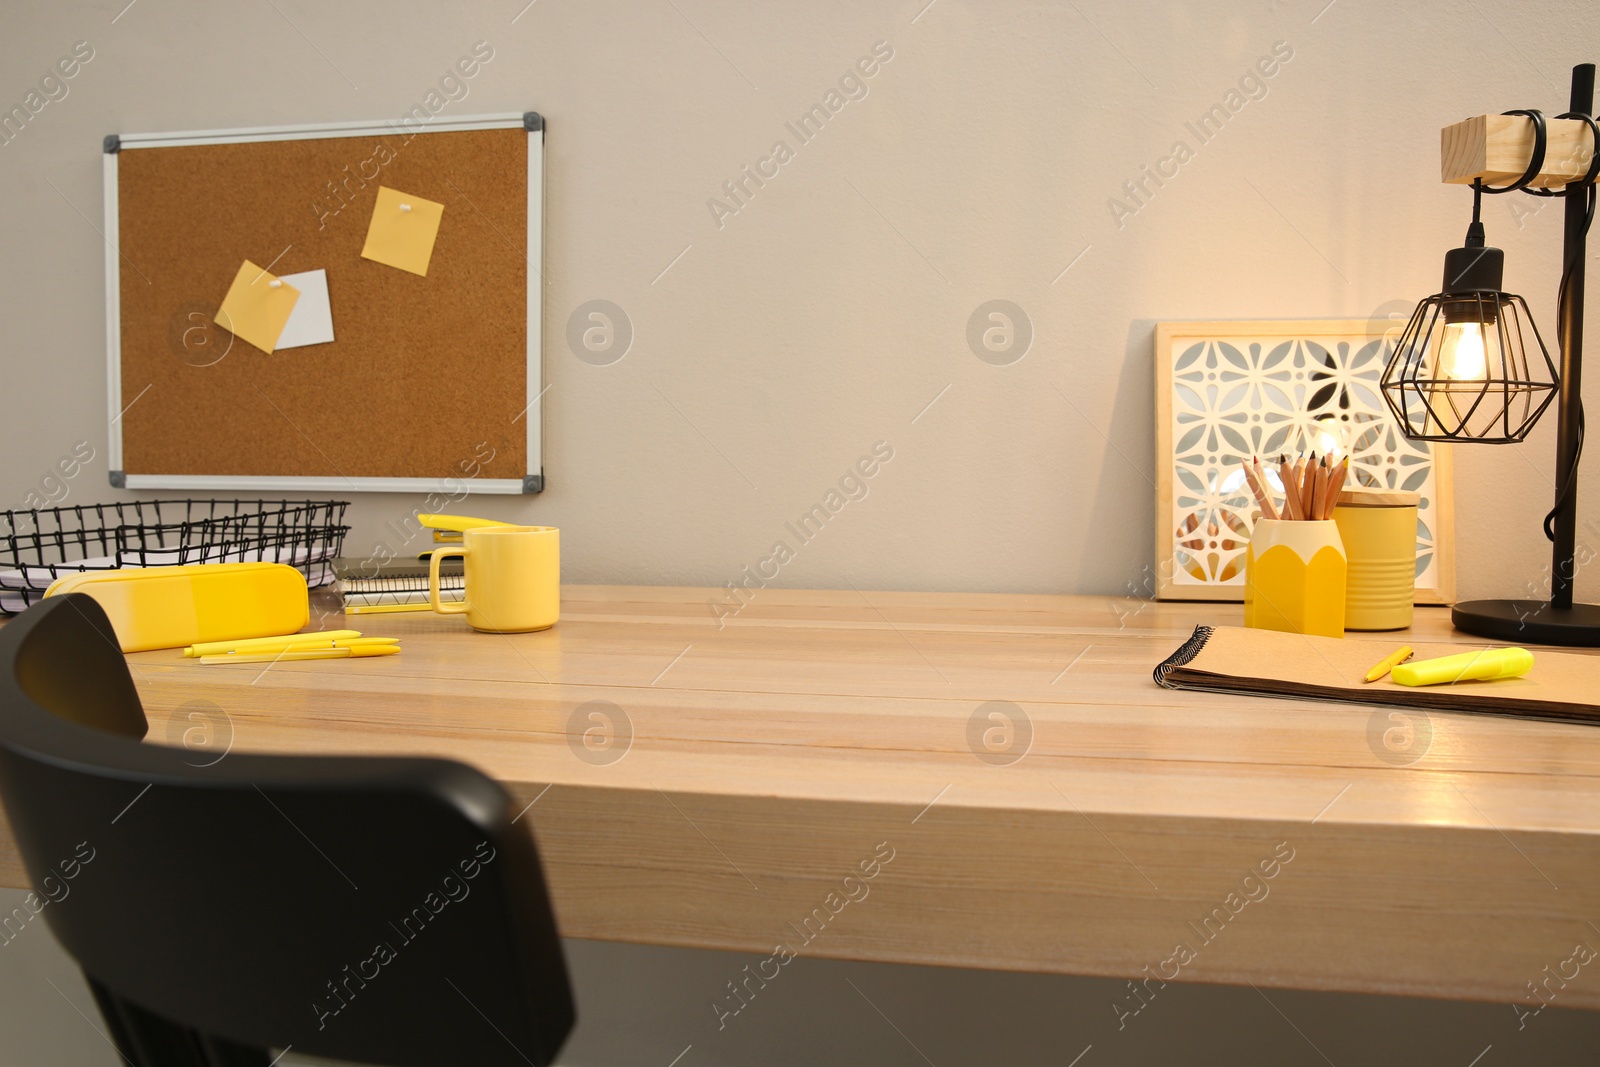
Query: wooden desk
point(770, 757)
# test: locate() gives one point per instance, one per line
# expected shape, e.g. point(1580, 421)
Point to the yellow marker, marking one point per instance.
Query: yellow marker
point(1381, 668)
point(208, 648)
point(303, 654)
point(1487, 665)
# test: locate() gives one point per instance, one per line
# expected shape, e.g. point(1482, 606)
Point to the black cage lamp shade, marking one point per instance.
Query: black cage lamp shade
point(1470, 365)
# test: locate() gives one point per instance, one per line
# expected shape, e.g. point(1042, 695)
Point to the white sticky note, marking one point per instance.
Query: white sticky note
point(311, 321)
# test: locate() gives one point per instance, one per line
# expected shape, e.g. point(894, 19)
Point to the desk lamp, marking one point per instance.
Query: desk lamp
point(1471, 366)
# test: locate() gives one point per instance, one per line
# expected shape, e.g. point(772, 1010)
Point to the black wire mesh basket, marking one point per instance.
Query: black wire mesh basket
point(37, 546)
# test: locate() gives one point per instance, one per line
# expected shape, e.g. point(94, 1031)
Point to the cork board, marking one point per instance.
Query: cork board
point(429, 381)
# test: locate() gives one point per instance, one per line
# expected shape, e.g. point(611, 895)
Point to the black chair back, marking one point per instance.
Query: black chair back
point(378, 910)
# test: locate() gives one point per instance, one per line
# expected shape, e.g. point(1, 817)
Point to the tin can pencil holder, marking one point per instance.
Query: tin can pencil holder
point(1295, 577)
point(1379, 530)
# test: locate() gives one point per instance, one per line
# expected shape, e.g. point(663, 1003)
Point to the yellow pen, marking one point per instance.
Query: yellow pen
point(385, 609)
point(288, 640)
point(1483, 666)
point(1383, 666)
point(207, 648)
point(321, 646)
point(305, 654)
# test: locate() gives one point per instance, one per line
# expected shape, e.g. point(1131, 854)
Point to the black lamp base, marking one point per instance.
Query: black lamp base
point(1531, 621)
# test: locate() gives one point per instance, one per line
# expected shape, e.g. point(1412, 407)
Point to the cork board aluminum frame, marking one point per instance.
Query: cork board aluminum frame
point(533, 478)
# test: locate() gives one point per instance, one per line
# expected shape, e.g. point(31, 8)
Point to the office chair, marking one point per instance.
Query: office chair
point(378, 910)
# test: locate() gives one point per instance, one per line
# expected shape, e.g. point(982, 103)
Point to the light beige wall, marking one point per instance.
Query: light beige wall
point(828, 312)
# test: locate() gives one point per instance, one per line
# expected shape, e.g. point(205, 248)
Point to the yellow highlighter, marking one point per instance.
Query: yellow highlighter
point(1485, 666)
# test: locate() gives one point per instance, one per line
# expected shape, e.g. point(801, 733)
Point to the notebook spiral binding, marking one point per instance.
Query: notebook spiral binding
point(1185, 653)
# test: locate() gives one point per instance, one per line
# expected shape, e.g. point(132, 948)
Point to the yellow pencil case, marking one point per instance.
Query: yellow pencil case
point(170, 607)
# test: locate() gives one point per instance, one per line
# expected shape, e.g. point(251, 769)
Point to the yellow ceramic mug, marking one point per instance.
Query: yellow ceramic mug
point(513, 577)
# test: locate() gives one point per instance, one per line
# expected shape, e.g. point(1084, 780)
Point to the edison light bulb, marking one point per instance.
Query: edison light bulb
point(1461, 352)
point(1327, 438)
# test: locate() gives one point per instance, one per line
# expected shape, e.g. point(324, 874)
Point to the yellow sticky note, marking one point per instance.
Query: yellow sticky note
point(257, 307)
point(402, 230)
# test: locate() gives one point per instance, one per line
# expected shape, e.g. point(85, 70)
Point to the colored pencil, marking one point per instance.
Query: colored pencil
point(1308, 483)
point(1336, 484)
point(1286, 476)
point(1267, 507)
point(1258, 489)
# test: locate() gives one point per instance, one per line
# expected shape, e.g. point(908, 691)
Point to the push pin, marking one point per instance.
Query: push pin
point(405, 207)
point(276, 283)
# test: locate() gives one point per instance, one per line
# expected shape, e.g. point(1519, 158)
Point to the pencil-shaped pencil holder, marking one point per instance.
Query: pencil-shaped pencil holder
point(1295, 577)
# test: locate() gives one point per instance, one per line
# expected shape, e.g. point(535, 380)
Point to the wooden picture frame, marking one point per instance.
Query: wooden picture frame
point(1226, 389)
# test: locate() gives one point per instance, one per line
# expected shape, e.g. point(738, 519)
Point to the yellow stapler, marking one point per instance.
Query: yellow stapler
point(447, 528)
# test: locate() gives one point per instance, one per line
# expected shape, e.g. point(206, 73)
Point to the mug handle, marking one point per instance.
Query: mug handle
point(436, 557)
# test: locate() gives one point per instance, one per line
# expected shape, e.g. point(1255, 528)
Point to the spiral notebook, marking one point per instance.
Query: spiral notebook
point(1231, 659)
point(365, 585)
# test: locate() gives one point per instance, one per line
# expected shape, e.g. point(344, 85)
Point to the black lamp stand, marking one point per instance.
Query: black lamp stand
point(1557, 621)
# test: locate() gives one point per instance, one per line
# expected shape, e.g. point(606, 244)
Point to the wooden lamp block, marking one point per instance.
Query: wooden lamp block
point(1498, 148)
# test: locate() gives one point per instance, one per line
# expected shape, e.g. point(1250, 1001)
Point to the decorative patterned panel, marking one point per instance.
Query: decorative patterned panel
point(1227, 391)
